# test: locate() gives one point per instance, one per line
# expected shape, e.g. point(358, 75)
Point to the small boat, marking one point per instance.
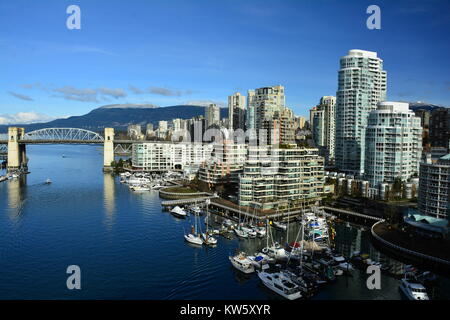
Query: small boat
point(275, 251)
point(208, 239)
point(240, 233)
point(193, 239)
point(196, 210)
point(261, 232)
point(260, 260)
point(242, 263)
point(280, 225)
point(140, 188)
point(413, 290)
point(178, 212)
point(280, 284)
point(48, 181)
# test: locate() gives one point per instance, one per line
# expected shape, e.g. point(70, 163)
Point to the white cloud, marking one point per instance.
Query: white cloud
point(25, 118)
point(205, 103)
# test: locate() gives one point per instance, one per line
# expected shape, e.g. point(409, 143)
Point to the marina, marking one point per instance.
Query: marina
point(109, 220)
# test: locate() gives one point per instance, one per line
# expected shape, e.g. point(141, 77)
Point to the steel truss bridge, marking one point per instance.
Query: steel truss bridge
point(66, 136)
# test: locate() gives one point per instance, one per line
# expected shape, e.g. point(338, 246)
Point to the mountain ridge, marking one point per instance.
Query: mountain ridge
point(119, 117)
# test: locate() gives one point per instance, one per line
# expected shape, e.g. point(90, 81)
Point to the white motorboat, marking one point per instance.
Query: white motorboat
point(157, 187)
point(196, 210)
point(242, 263)
point(178, 212)
point(280, 225)
point(260, 260)
point(261, 232)
point(193, 239)
point(281, 284)
point(48, 181)
point(140, 188)
point(227, 223)
point(275, 251)
point(413, 290)
point(240, 233)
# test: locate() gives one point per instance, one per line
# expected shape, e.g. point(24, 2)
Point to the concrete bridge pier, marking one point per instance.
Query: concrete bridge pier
point(108, 149)
point(16, 152)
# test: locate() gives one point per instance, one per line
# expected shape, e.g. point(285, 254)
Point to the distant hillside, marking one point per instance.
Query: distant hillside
point(120, 116)
point(423, 106)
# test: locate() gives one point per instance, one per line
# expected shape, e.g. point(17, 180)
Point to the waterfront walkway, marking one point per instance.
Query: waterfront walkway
point(437, 250)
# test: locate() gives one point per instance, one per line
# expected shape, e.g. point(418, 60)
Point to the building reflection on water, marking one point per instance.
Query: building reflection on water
point(109, 200)
point(354, 238)
point(16, 188)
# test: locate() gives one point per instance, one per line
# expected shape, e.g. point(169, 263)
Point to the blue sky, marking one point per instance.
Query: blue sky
point(172, 52)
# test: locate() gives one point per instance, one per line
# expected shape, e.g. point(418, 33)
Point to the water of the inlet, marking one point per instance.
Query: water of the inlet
point(125, 245)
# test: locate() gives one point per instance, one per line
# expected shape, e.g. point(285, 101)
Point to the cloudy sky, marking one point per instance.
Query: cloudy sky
point(184, 51)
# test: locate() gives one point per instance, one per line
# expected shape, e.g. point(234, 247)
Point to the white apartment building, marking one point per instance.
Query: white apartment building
point(361, 85)
point(164, 156)
point(393, 143)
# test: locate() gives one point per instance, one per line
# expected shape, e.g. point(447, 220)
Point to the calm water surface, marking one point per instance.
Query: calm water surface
point(126, 247)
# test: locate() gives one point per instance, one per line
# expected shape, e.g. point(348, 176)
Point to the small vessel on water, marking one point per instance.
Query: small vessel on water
point(242, 263)
point(413, 290)
point(281, 284)
point(178, 212)
point(208, 239)
point(280, 225)
point(48, 181)
point(140, 188)
point(191, 238)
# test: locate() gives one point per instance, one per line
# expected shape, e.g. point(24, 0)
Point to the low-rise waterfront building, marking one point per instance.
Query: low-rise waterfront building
point(164, 156)
point(226, 163)
point(277, 178)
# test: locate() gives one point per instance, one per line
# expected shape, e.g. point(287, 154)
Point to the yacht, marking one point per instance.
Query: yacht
point(140, 188)
point(280, 284)
point(241, 233)
point(178, 212)
point(48, 181)
point(280, 225)
point(260, 260)
point(191, 238)
point(261, 232)
point(413, 290)
point(275, 251)
point(196, 210)
point(242, 263)
point(157, 186)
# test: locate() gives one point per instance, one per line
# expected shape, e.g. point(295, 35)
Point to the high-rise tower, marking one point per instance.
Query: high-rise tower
point(362, 84)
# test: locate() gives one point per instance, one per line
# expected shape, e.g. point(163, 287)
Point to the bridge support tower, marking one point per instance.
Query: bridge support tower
point(17, 156)
point(108, 149)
